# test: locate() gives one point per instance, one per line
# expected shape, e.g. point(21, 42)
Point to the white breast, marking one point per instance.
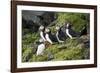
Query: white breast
point(42, 36)
point(40, 49)
point(67, 32)
point(48, 39)
point(58, 38)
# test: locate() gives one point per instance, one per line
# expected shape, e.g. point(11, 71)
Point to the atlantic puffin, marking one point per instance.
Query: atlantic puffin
point(70, 32)
point(50, 37)
point(61, 36)
point(41, 31)
point(40, 48)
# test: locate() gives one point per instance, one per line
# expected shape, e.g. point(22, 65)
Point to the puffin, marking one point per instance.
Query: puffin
point(40, 48)
point(61, 36)
point(51, 38)
point(41, 32)
point(70, 32)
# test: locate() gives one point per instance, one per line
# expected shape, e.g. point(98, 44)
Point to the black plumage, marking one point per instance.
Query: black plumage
point(73, 33)
point(60, 34)
point(50, 37)
point(70, 32)
point(76, 34)
point(41, 31)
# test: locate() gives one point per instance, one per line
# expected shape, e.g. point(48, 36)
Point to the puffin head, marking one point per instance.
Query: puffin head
point(68, 25)
point(47, 30)
point(41, 28)
point(57, 28)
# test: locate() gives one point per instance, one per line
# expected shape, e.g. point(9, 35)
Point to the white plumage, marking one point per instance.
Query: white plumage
point(59, 32)
point(58, 38)
point(48, 39)
point(40, 48)
point(42, 35)
point(67, 32)
point(47, 36)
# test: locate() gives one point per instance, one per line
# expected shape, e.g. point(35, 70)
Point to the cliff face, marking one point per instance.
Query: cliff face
point(33, 19)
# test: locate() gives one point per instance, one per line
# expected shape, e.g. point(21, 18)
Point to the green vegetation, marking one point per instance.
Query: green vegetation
point(78, 20)
point(71, 49)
